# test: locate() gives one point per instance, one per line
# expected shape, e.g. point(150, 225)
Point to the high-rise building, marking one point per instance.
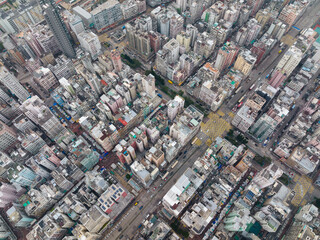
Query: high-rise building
point(13, 84)
point(45, 78)
point(86, 17)
point(173, 47)
point(253, 30)
point(57, 26)
point(226, 56)
point(155, 41)
point(41, 40)
point(263, 17)
point(300, 231)
point(116, 60)
point(238, 220)
point(90, 42)
point(35, 109)
point(138, 40)
point(290, 60)
point(106, 14)
point(67, 86)
point(21, 175)
point(245, 62)
point(205, 44)
point(76, 24)
point(8, 137)
point(259, 49)
point(175, 106)
point(23, 123)
point(18, 217)
point(5, 162)
point(264, 127)
point(148, 84)
point(176, 26)
point(193, 31)
point(32, 143)
point(8, 194)
point(21, 17)
point(181, 4)
point(184, 40)
point(256, 5)
point(290, 13)
point(268, 176)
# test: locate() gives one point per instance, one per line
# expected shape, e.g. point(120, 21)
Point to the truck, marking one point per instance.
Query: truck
point(268, 76)
point(159, 95)
point(252, 86)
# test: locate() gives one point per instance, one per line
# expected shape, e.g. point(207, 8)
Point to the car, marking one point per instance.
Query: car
point(234, 109)
point(140, 207)
point(154, 188)
point(136, 204)
point(160, 185)
point(240, 104)
point(185, 151)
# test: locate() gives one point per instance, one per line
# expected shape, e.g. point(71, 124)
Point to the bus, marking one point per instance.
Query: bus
point(174, 164)
point(164, 176)
point(240, 100)
point(237, 90)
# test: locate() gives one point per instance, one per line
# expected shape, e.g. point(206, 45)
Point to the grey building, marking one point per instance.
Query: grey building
point(58, 28)
point(106, 14)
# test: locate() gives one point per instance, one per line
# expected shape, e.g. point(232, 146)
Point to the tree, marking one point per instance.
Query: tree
point(1, 47)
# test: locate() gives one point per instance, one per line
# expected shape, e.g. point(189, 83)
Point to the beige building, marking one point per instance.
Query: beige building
point(184, 40)
point(245, 62)
point(263, 16)
point(157, 156)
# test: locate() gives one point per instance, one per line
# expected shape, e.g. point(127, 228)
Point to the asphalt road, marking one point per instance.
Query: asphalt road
point(150, 199)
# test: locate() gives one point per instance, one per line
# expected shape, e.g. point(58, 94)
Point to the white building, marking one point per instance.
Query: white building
point(12, 83)
point(307, 213)
point(90, 43)
point(106, 14)
point(175, 106)
point(35, 109)
point(268, 176)
point(76, 24)
point(290, 60)
point(179, 195)
point(149, 86)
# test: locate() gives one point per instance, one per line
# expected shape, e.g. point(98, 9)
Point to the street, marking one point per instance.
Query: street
point(149, 199)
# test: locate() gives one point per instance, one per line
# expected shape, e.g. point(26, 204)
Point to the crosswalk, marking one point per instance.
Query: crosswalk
point(114, 228)
point(215, 126)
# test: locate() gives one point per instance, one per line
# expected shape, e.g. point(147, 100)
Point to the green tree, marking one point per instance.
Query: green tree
point(1, 47)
